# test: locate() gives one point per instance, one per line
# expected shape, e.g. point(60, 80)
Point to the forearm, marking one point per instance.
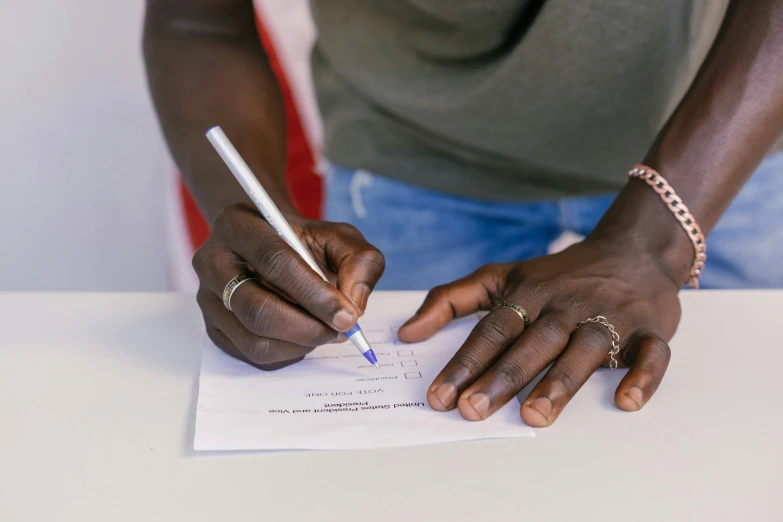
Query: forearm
point(206, 66)
point(728, 121)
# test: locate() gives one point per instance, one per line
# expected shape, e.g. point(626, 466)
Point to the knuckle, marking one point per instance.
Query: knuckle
point(490, 268)
point(659, 351)
point(263, 313)
point(226, 217)
point(552, 332)
point(595, 338)
point(513, 372)
point(615, 314)
point(516, 279)
point(220, 340)
point(260, 350)
point(214, 335)
point(546, 341)
point(370, 263)
point(570, 302)
point(651, 357)
point(640, 311)
point(468, 364)
point(202, 258)
point(203, 299)
point(277, 263)
point(542, 291)
point(438, 293)
point(374, 260)
point(486, 341)
point(346, 229)
point(526, 292)
point(485, 272)
point(240, 222)
point(198, 260)
point(320, 299)
point(575, 302)
point(540, 351)
point(493, 278)
point(566, 378)
point(495, 330)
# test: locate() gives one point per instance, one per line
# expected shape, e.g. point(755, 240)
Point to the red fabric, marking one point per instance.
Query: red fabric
point(198, 230)
point(303, 183)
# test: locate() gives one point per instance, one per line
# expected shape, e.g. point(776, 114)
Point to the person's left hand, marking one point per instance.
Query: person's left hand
point(634, 291)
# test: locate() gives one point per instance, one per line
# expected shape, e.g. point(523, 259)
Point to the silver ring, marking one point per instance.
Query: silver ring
point(231, 287)
point(615, 349)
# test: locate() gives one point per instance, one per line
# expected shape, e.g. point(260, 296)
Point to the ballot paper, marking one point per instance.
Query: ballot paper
point(334, 399)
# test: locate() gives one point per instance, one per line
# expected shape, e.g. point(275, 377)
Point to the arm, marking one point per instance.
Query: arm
point(727, 122)
point(206, 66)
point(631, 268)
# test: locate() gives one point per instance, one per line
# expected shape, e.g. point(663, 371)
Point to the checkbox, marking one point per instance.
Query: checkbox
point(413, 375)
point(409, 363)
point(404, 353)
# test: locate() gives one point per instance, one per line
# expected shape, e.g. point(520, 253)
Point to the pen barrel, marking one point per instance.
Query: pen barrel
point(259, 196)
point(358, 339)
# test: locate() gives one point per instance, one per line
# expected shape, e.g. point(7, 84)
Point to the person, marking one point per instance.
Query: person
point(463, 137)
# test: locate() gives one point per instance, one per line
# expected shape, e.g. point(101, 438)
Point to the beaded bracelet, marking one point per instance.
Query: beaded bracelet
point(683, 215)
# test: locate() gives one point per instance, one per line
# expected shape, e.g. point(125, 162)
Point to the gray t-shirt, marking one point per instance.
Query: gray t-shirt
point(504, 99)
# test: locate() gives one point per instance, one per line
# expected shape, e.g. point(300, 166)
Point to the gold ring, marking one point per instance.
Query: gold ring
point(231, 287)
point(518, 309)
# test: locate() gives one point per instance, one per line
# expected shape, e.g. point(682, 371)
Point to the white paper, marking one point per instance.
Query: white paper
point(335, 399)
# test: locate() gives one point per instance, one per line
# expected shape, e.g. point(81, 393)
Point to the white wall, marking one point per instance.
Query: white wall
point(82, 164)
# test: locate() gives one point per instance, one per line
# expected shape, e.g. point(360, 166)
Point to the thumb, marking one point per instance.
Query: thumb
point(358, 264)
point(458, 299)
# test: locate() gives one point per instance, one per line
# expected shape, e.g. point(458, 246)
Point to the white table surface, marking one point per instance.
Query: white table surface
point(97, 405)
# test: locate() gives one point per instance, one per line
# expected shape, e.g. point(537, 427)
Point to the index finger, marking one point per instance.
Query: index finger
point(458, 299)
point(279, 265)
point(359, 265)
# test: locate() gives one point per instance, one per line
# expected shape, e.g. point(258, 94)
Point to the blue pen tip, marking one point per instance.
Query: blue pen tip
point(370, 356)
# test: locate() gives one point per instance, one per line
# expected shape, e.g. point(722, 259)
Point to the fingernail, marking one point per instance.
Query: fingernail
point(446, 393)
point(343, 320)
point(480, 403)
point(359, 294)
point(636, 394)
point(543, 406)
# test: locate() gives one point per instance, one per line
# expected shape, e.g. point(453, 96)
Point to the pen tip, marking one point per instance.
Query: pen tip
point(378, 366)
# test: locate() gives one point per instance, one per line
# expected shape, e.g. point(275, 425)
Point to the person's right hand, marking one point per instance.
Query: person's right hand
point(292, 310)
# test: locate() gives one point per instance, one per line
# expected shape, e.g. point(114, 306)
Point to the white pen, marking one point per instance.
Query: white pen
point(275, 218)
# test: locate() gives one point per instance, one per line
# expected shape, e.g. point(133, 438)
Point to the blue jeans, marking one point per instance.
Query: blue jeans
point(430, 238)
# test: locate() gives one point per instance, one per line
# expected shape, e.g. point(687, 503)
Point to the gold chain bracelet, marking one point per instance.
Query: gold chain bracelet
point(683, 215)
